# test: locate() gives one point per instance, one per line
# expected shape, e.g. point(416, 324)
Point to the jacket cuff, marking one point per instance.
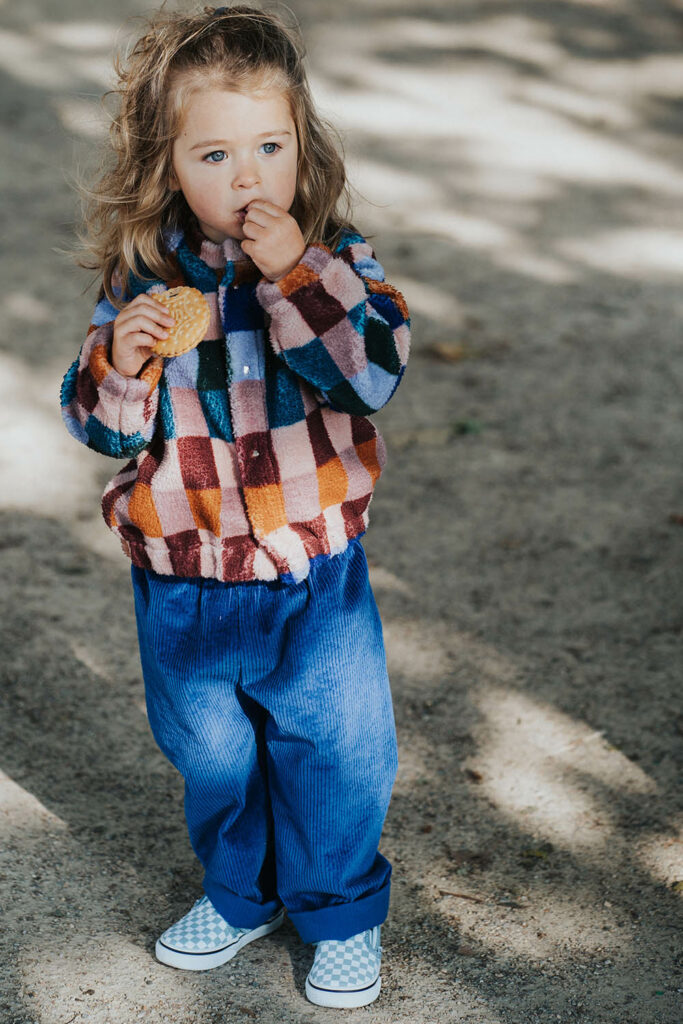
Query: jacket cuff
point(311, 298)
point(108, 380)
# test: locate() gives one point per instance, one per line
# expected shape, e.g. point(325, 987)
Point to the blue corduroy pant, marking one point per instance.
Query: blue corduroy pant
point(272, 700)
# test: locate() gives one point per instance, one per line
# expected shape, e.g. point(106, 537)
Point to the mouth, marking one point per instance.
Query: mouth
point(240, 215)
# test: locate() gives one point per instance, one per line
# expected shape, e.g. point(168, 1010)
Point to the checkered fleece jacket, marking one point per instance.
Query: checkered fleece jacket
point(251, 454)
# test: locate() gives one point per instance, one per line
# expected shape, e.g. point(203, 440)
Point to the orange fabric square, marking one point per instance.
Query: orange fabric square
point(142, 511)
point(367, 453)
point(382, 288)
point(297, 278)
point(333, 483)
point(266, 507)
point(206, 509)
point(99, 363)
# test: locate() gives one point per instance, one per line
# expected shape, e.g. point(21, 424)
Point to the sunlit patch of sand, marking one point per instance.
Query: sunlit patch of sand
point(543, 767)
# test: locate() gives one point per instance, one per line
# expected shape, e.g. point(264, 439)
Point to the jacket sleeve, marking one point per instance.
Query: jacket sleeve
point(113, 414)
point(337, 324)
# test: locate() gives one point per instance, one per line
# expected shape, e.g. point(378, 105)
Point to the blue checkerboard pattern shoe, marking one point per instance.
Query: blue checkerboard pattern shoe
point(346, 974)
point(202, 939)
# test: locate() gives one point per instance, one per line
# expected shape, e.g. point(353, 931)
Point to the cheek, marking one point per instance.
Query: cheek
point(292, 180)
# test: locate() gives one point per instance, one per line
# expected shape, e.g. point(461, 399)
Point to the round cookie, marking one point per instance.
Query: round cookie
point(191, 313)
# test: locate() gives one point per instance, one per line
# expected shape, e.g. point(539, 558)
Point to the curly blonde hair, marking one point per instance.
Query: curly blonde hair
point(238, 48)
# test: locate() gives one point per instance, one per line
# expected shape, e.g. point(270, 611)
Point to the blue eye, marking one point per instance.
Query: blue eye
point(216, 157)
point(270, 147)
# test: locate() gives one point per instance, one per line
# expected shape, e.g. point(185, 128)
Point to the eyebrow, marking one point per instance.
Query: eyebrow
point(222, 142)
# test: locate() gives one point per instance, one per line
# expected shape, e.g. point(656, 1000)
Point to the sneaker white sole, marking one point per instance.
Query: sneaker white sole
point(342, 1000)
point(207, 961)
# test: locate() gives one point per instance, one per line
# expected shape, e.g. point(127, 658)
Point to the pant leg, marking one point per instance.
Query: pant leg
point(331, 745)
point(211, 731)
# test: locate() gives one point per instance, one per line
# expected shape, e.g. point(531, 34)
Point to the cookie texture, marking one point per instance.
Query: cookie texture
point(191, 313)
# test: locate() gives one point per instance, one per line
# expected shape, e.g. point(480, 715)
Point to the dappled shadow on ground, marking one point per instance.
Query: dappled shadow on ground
point(521, 168)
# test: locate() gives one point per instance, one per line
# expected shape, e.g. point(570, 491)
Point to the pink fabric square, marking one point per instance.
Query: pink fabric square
point(288, 329)
point(173, 509)
point(345, 286)
point(293, 449)
point(317, 258)
point(225, 460)
point(234, 522)
point(402, 339)
point(167, 474)
point(248, 406)
point(188, 413)
point(215, 328)
point(360, 481)
point(338, 427)
point(300, 494)
point(346, 347)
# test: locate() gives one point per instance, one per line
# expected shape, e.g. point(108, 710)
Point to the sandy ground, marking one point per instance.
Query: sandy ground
point(521, 164)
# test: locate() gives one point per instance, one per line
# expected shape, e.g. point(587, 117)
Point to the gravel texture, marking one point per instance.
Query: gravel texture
point(521, 169)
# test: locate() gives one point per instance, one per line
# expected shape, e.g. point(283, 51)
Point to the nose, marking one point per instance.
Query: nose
point(246, 174)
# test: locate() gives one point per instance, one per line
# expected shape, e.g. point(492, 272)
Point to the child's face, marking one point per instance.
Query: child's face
point(231, 148)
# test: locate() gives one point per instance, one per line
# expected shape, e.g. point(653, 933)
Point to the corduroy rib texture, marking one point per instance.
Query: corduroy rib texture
point(273, 702)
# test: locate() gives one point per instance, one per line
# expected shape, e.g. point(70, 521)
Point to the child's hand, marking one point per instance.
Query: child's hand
point(137, 329)
point(273, 239)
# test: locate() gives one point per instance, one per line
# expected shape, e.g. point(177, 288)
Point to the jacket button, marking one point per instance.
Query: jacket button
point(245, 369)
point(254, 454)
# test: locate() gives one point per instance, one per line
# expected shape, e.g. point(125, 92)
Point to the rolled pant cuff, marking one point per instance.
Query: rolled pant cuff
point(237, 911)
point(344, 919)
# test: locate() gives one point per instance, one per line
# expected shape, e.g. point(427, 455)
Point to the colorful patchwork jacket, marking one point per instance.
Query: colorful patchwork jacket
point(251, 454)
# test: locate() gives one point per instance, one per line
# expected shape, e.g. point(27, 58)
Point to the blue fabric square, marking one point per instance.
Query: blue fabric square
point(246, 349)
point(197, 273)
point(112, 442)
point(283, 396)
point(181, 371)
point(216, 409)
point(358, 317)
point(373, 385)
point(241, 310)
point(315, 363)
point(166, 411)
point(104, 313)
point(387, 309)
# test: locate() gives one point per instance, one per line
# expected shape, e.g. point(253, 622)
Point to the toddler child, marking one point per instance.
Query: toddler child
point(251, 467)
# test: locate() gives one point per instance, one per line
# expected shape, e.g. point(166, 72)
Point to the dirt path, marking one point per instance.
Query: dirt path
point(524, 160)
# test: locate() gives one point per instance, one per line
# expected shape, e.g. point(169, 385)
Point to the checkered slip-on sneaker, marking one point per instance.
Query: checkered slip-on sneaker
point(203, 939)
point(346, 974)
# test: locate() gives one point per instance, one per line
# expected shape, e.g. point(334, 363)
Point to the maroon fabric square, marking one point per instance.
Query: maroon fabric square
point(238, 558)
point(147, 467)
point(86, 391)
point(362, 430)
point(314, 536)
point(319, 309)
point(257, 459)
point(131, 534)
point(185, 554)
point(352, 511)
point(112, 496)
point(197, 465)
point(323, 449)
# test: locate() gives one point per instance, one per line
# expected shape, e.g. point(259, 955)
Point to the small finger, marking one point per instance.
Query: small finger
point(144, 323)
point(257, 215)
point(152, 307)
point(266, 207)
point(144, 340)
point(252, 230)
